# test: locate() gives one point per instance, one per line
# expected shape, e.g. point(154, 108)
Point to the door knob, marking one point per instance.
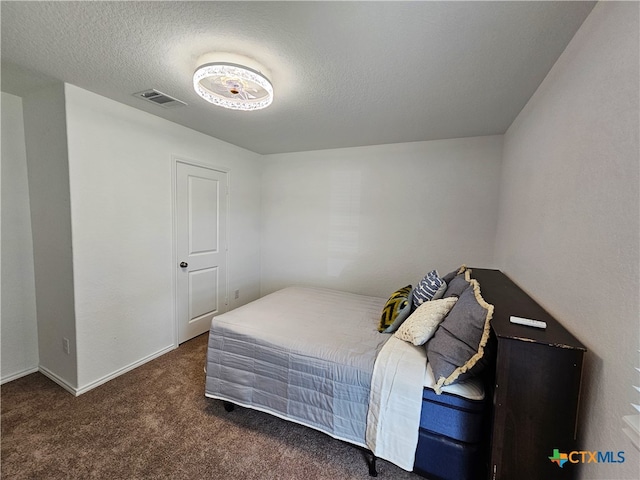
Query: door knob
point(184, 264)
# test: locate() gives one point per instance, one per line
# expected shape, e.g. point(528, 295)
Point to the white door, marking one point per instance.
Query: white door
point(201, 237)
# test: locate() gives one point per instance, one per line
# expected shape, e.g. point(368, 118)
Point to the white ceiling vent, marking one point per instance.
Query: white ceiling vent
point(159, 98)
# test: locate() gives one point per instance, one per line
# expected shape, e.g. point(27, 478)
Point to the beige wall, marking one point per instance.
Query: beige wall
point(120, 171)
point(19, 329)
point(48, 167)
point(98, 205)
point(373, 219)
point(568, 228)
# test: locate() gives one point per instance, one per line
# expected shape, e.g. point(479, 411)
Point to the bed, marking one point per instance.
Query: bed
point(317, 357)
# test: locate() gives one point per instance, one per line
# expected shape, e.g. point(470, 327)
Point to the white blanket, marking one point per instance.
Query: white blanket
point(395, 402)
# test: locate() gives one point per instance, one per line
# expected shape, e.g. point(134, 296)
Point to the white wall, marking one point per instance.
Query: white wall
point(568, 230)
point(120, 162)
point(48, 173)
point(19, 329)
point(372, 219)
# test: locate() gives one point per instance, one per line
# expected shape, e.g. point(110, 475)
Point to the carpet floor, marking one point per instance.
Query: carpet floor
point(155, 423)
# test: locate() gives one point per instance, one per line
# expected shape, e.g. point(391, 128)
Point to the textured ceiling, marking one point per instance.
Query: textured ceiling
point(344, 73)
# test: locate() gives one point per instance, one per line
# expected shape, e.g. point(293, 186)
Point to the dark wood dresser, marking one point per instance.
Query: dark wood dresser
point(536, 388)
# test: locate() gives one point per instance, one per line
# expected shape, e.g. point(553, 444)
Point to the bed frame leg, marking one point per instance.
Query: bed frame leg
point(228, 406)
point(372, 466)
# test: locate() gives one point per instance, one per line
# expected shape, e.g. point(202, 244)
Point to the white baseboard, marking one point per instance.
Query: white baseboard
point(79, 391)
point(123, 370)
point(63, 383)
point(17, 375)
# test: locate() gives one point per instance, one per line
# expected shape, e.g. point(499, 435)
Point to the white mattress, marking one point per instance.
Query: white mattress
point(473, 389)
point(315, 357)
point(304, 354)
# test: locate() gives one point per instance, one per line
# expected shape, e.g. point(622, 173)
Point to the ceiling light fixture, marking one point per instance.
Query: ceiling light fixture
point(234, 86)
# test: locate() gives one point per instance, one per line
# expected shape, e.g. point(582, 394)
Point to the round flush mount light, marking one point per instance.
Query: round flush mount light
point(232, 85)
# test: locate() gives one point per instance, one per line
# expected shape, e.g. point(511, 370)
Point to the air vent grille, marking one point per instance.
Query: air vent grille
point(159, 98)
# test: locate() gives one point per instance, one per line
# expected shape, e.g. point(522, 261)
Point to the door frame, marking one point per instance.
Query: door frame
point(175, 160)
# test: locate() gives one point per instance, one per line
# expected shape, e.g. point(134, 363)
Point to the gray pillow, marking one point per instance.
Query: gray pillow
point(459, 343)
point(449, 276)
point(456, 286)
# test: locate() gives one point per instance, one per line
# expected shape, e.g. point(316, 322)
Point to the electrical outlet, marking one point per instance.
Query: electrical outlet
point(65, 345)
point(237, 296)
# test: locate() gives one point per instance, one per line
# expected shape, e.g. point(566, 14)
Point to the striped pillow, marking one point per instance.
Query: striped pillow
point(431, 287)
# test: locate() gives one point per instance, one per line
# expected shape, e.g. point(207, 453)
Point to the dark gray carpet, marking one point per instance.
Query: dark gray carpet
point(154, 422)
